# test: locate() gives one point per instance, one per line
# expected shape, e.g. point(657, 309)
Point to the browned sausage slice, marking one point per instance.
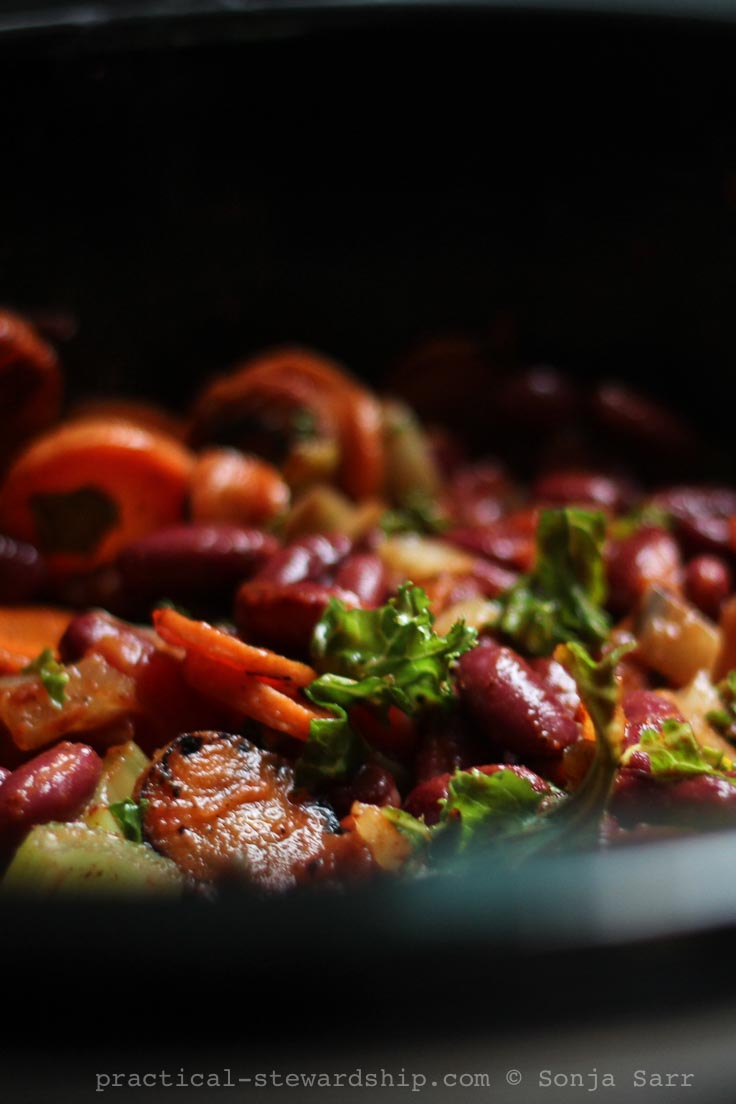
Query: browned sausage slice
point(218, 805)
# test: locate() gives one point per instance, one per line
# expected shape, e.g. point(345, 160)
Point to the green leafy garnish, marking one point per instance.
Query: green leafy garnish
point(561, 600)
point(129, 815)
point(413, 829)
point(575, 821)
point(387, 656)
point(303, 423)
point(417, 513)
point(648, 514)
point(52, 674)
point(482, 805)
point(378, 658)
point(724, 719)
point(674, 751)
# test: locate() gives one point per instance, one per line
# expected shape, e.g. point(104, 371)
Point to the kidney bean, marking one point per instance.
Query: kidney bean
point(478, 494)
point(447, 743)
point(702, 515)
point(573, 486)
point(394, 736)
point(424, 799)
point(646, 709)
point(364, 574)
point(539, 397)
point(510, 541)
point(629, 414)
point(700, 801)
point(87, 632)
point(510, 700)
point(558, 682)
point(372, 785)
point(4, 773)
point(305, 560)
point(647, 557)
point(491, 578)
point(54, 785)
point(186, 560)
point(283, 616)
point(705, 534)
point(708, 582)
point(22, 571)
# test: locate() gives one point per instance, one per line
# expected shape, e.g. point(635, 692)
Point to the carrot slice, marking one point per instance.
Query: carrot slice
point(26, 630)
point(230, 486)
point(84, 490)
point(140, 413)
point(199, 638)
point(340, 404)
point(249, 695)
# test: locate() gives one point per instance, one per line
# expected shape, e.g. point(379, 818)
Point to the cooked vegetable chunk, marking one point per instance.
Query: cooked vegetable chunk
point(220, 806)
point(73, 858)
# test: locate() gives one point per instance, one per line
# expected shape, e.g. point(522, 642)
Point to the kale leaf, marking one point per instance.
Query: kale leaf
point(561, 600)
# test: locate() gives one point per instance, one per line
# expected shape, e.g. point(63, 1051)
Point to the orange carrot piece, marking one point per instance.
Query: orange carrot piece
point(199, 638)
point(249, 695)
point(141, 413)
point(340, 404)
point(84, 490)
point(25, 631)
point(230, 486)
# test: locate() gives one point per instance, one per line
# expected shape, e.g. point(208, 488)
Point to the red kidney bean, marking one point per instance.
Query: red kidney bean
point(193, 559)
point(646, 709)
point(558, 682)
point(87, 631)
point(54, 785)
point(510, 700)
point(641, 420)
point(702, 515)
point(648, 556)
point(4, 773)
point(283, 616)
point(424, 799)
point(708, 582)
point(572, 487)
point(447, 449)
point(491, 578)
point(478, 494)
point(447, 743)
point(22, 571)
point(372, 784)
point(705, 534)
point(539, 397)
point(305, 560)
point(364, 574)
point(103, 587)
point(394, 735)
point(510, 541)
point(702, 801)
